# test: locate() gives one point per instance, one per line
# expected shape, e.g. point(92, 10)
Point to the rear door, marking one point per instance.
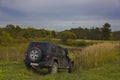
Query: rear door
point(64, 58)
point(61, 56)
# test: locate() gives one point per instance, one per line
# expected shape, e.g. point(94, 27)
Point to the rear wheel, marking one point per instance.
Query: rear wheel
point(53, 68)
point(28, 66)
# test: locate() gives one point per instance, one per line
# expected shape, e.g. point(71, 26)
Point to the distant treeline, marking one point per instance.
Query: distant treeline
point(95, 33)
point(10, 32)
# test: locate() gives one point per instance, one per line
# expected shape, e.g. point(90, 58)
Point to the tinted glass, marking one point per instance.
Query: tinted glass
point(53, 49)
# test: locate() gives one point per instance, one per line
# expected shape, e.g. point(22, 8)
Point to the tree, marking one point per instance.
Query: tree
point(107, 34)
point(0, 32)
point(54, 34)
point(18, 32)
point(11, 30)
point(18, 28)
point(67, 35)
point(116, 35)
point(93, 33)
point(29, 32)
point(5, 37)
point(0, 35)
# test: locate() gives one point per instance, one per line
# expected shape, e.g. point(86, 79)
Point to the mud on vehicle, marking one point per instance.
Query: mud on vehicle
point(47, 55)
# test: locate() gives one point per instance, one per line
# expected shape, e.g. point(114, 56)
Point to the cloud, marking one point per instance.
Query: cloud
point(58, 5)
point(60, 14)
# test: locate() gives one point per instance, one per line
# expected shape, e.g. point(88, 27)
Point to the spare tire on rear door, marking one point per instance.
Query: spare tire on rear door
point(35, 54)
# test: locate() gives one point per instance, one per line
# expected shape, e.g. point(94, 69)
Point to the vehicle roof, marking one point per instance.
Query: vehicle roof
point(49, 43)
point(42, 42)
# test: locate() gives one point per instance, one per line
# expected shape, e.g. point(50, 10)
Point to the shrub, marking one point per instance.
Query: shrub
point(81, 43)
point(67, 35)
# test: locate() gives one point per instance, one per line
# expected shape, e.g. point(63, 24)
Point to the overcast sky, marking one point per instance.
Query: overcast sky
point(60, 14)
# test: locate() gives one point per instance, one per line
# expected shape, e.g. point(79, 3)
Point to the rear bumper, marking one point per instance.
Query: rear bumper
point(42, 64)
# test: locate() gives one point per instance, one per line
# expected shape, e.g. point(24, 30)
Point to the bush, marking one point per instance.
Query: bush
point(67, 35)
point(81, 43)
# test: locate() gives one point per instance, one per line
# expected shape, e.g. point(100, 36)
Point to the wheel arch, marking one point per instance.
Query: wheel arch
point(56, 60)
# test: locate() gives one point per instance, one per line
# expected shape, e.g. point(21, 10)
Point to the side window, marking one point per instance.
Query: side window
point(53, 49)
point(59, 50)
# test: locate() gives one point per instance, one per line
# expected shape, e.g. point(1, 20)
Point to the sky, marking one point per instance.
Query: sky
point(60, 14)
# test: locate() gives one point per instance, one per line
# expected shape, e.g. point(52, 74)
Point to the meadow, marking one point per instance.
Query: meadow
point(100, 61)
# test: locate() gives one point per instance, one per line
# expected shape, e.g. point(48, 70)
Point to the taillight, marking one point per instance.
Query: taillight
point(26, 53)
point(48, 55)
point(37, 46)
point(47, 63)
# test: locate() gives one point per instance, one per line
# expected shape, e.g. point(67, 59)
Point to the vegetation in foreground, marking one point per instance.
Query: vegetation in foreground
point(96, 62)
point(99, 61)
point(97, 55)
point(16, 71)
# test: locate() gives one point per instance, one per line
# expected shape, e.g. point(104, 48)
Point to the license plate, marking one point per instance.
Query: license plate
point(34, 64)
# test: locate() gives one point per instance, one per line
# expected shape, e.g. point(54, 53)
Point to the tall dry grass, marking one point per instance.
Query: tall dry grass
point(96, 55)
point(91, 56)
point(13, 53)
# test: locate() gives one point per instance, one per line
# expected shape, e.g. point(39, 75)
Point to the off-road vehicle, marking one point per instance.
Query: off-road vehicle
point(47, 55)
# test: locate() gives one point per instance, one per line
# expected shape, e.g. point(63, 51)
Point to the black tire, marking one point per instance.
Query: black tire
point(28, 66)
point(70, 69)
point(54, 68)
point(35, 54)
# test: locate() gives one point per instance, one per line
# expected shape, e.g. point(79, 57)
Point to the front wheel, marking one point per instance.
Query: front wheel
point(53, 68)
point(70, 67)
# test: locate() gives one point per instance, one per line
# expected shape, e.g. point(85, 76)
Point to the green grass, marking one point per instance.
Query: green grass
point(16, 71)
point(96, 62)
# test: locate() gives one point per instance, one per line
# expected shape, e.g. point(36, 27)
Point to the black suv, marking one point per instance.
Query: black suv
point(47, 55)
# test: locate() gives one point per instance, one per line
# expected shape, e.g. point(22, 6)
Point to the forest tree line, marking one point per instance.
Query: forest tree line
point(11, 31)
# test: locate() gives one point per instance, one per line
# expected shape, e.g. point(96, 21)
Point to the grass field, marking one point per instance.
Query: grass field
point(96, 62)
point(17, 71)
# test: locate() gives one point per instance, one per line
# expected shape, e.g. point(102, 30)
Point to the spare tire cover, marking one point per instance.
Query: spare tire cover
point(35, 54)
